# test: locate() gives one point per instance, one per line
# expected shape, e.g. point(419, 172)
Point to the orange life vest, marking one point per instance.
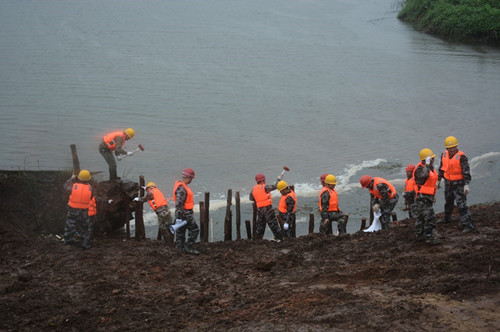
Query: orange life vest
point(333, 204)
point(374, 191)
point(92, 207)
point(429, 187)
point(282, 206)
point(158, 199)
point(80, 197)
point(262, 198)
point(109, 139)
point(189, 204)
point(409, 183)
point(451, 167)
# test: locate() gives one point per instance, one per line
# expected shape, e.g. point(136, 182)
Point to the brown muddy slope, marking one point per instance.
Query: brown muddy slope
point(366, 281)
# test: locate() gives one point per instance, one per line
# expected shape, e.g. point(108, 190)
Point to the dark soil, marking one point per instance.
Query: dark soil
point(365, 281)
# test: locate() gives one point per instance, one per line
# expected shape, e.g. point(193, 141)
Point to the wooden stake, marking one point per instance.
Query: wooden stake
point(249, 229)
point(76, 163)
point(228, 230)
point(202, 221)
point(207, 217)
point(238, 216)
point(140, 233)
point(363, 223)
point(311, 223)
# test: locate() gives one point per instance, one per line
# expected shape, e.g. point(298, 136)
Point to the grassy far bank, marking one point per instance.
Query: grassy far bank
point(458, 20)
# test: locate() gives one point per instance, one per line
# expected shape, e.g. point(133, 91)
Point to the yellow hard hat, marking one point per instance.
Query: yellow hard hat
point(150, 184)
point(282, 185)
point(330, 179)
point(130, 132)
point(424, 153)
point(84, 175)
point(450, 142)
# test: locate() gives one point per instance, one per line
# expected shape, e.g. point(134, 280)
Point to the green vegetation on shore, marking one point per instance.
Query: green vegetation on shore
point(460, 20)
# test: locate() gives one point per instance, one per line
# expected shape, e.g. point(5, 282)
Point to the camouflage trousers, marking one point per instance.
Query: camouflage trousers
point(288, 233)
point(164, 222)
point(455, 193)
point(386, 208)
point(267, 215)
point(77, 220)
point(425, 219)
point(328, 228)
point(191, 227)
point(110, 160)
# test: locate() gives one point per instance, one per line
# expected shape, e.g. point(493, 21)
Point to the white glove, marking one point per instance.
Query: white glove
point(110, 201)
point(136, 199)
point(376, 208)
point(285, 226)
point(119, 157)
point(428, 160)
point(466, 189)
point(129, 153)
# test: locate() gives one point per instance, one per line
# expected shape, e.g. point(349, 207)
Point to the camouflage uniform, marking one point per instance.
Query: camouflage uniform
point(108, 156)
point(77, 221)
point(164, 220)
point(422, 209)
point(454, 191)
point(188, 215)
point(337, 216)
point(288, 217)
point(267, 215)
point(386, 204)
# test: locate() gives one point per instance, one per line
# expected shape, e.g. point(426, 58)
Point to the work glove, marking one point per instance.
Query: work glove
point(119, 157)
point(110, 201)
point(428, 160)
point(285, 226)
point(129, 153)
point(136, 199)
point(439, 185)
point(466, 189)
point(376, 208)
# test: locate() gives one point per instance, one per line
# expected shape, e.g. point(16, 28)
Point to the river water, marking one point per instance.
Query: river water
point(233, 88)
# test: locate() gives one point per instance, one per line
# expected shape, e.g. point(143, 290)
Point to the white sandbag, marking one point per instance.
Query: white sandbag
point(376, 225)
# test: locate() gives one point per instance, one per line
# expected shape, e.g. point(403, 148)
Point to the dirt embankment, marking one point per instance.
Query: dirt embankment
point(365, 281)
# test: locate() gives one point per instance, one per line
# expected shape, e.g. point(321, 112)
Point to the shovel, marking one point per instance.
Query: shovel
point(140, 147)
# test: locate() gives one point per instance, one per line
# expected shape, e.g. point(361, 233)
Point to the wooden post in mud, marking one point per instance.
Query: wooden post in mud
point(254, 220)
point(238, 215)
point(202, 221)
point(249, 229)
point(76, 162)
point(207, 216)
point(363, 223)
point(311, 223)
point(346, 220)
point(371, 210)
point(228, 229)
point(140, 233)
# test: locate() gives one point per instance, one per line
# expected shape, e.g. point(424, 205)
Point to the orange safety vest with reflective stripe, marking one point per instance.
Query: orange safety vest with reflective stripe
point(158, 199)
point(109, 139)
point(189, 203)
point(333, 205)
point(451, 167)
point(282, 206)
point(429, 187)
point(80, 197)
point(92, 207)
point(262, 198)
point(374, 191)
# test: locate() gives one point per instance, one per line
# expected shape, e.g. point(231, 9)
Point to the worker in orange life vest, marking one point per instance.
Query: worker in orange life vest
point(329, 207)
point(425, 178)
point(114, 142)
point(158, 203)
point(78, 209)
point(409, 193)
point(184, 204)
point(455, 170)
point(383, 197)
point(287, 208)
point(261, 196)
